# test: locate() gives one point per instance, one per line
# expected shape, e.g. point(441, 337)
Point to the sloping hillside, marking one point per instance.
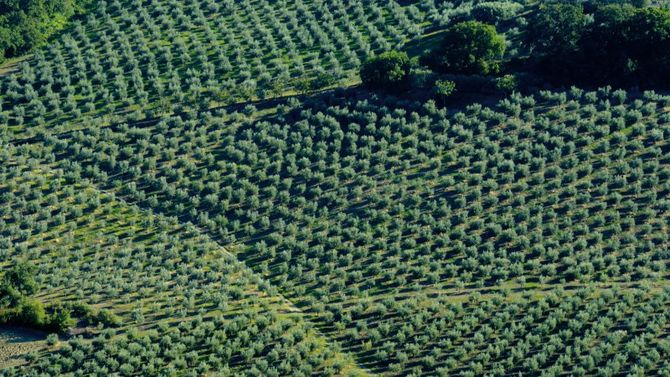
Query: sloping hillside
point(203, 188)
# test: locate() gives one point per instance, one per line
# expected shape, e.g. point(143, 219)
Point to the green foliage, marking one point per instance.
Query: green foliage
point(307, 84)
point(31, 313)
point(444, 89)
point(302, 85)
point(507, 83)
point(322, 80)
point(21, 278)
point(108, 318)
point(388, 71)
point(555, 29)
point(16, 283)
point(26, 24)
point(9, 296)
point(493, 12)
point(391, 223)
point(17, 305)
point(469, 47)
point(624, 45)
point(52, 339)
point(629, 44)
point(59, 318)
point(208, 62)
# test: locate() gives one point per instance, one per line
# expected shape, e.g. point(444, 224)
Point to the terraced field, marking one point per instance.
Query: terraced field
point(198, 172)
point(146, 58)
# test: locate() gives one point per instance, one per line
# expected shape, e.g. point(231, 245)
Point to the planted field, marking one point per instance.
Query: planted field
point(532, 193)
point(154, 57)
point(153, 274)
point(367, 216)
point(204, 189)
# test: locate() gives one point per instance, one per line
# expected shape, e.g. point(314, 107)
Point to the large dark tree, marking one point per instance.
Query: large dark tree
point(649, 45)
point(389, 70)
point(555, 29)
point(606, 41)
point(469, 47)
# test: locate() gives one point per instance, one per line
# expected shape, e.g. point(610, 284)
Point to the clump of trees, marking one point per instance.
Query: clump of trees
point(26, 24)
point(467, 48)
point(494, 12)
point(18, 307)
point(17, 283)
point(616, 44)
point(564, 43)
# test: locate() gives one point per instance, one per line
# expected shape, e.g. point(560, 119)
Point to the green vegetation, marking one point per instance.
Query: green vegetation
point(134, 60)
point(555, 30)
point(469, 47)
point(28, 24)
point(17, 307)
point(331, 188)
point(389, 70)
point(494, 12)
point(16, 283)
point(622, 45)
point(545, 160)
point(444, 89)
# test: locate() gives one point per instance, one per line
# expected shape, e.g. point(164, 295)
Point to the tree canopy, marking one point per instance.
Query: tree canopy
point(16, 282)
point(470, 47)
point(386, 71)
point(616, 44)
point(25, 24)
point(556, 29)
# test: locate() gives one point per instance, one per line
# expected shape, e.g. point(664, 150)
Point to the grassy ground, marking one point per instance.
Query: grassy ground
point(9, 65)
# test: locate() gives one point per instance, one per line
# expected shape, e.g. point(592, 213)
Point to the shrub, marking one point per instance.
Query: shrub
point(60, 318)
point(444, 89)
point(108, 318)
point(322, 80)
point(81, 310)
point(9, 296)
point(389, 70)
point(302, 85)
point(31, 313)
point(422, 78)
point(21, 278)
point(507, 83)
point(52, 339)
point(469, 47)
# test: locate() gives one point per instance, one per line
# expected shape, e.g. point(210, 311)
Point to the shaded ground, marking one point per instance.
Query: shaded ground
point(16, 342)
